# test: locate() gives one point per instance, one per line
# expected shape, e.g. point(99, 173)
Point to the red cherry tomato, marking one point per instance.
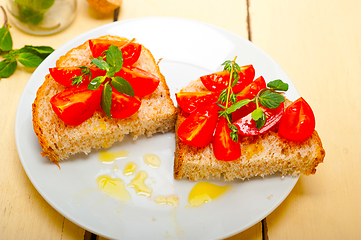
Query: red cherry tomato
point(247, 126)
point(190, 101)
point(249, 92)
point(63, 75)
point(143, 82)
point(298, 121)
point(224, 148)
point(75, 105)
point(123, 106)
point(197, 130)
point(219, 81)
point(131, 52)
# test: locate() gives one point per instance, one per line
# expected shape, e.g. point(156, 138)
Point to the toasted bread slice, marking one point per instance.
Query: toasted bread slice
point(58, 140)
point(262, 155)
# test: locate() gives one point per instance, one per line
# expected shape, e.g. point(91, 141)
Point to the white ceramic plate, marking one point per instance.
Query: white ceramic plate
point(188, 50)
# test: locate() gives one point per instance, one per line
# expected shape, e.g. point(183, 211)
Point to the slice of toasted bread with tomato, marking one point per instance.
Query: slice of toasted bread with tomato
point(58, 140)
point(262, 154)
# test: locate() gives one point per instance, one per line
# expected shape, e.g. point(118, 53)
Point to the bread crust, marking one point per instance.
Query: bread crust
point(262, 155)
point(58, 140)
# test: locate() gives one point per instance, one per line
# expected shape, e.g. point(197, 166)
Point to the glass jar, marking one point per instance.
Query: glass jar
point(41, 17)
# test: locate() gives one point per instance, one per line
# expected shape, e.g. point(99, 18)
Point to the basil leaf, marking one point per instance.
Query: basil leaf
point(260, 122)
point(36, 4)
point(7, 68)
point(103, 65)
point(238, 105)
point(32, 11)
point(6, 42)
point(278, 85)
point(271, 99)
point(39, 49)
point(111, 72)
point(96, 82)
point(29, 15)
point(29, 60)
point(106, 99)
point(10, 56)
point(257, 114)
point(114, 57)
point(122, 86)
point(259, 117)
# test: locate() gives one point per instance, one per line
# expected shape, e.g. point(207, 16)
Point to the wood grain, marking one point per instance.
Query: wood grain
point(228, 14)
point(24, 213)
point(318, 44)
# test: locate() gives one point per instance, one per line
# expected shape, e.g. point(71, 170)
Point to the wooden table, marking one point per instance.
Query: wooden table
point(318, 43)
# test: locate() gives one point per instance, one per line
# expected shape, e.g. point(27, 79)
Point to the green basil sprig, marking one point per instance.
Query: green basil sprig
point(29, 56)
point(32, 11)
point(112, 63)
point(269, 97)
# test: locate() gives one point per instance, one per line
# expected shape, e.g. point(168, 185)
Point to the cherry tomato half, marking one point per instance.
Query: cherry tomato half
point(131, 52)
point(219, 81)
point(249, 92)
point(247, 126)
point(75, 105)
point(298, 121)
point(224, 148)
point(143, 82)
point(123, 106)
point(63, 75)
point(198, 128)
point(190, 101)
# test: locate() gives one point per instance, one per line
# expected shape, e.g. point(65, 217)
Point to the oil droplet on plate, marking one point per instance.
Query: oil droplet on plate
point(160, 200)
point(114, 187)
point(138, 183)
point(170, 200)
point(153, 180)
point(152, 160)
point(115, 168)
point(129, 168)
point(204, 192)
point(107, 157)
